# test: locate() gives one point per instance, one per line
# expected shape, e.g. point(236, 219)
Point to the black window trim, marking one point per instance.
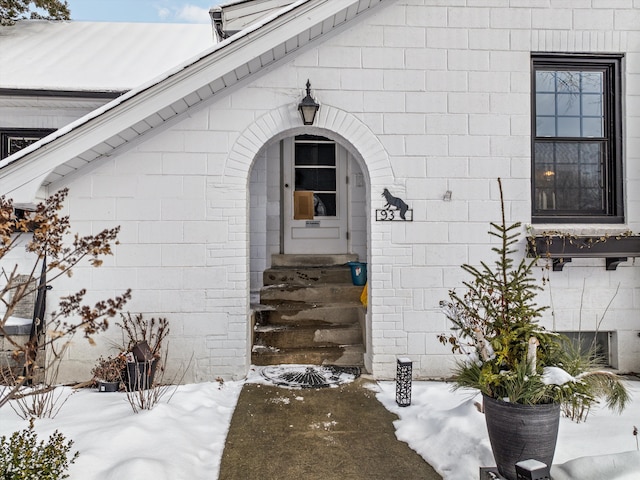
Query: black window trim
point(5, 133)
point(613, 63)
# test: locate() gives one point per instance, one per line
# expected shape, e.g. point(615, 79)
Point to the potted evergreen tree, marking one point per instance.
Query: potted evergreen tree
point(524, 372)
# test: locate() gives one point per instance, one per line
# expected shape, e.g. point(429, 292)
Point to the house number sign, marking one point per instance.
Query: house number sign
point(395, 209)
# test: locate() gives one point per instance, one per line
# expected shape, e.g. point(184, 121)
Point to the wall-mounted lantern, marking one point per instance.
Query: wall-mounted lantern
point(308, 107)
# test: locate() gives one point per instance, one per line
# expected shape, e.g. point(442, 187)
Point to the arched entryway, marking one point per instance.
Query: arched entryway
point(307, 222)
point(262, 149)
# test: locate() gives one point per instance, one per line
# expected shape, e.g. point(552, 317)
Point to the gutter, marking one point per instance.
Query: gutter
point(34, 92)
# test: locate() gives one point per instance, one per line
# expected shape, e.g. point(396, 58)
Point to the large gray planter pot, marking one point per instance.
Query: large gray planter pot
point(140, 375)
point(521, 432)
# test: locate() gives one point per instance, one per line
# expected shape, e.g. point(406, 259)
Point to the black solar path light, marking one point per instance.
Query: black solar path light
point(403, 382)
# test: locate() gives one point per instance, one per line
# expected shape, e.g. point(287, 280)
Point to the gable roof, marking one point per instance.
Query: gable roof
point(216, 70)
point(94, 56)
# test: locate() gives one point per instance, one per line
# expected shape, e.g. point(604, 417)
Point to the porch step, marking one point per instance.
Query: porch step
point(309, 313)
point(305, 260)
point(283, 337)
point(300, 314)
point(307, 275)
point(350, 355)
point(317, 294)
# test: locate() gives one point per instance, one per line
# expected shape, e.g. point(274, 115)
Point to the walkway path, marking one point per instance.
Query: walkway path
point(307, 434)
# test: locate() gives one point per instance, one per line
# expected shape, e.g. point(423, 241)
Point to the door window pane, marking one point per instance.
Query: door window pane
point(316, 154)
point(323, 179)
point(324, 204)
point(315, 171)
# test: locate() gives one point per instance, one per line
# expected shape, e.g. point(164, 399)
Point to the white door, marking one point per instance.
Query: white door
point(314, 196)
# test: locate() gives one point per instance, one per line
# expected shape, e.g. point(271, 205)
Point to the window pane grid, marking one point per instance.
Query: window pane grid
point(576, 143)
point(569, 104)
point(569, 177)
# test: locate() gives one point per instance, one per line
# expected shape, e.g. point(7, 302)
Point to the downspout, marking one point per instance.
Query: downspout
point(37, 325)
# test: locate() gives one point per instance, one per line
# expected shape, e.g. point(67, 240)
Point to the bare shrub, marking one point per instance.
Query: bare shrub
point(53, 257)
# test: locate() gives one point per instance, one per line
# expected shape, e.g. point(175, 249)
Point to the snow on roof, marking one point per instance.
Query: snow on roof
point(94, 56)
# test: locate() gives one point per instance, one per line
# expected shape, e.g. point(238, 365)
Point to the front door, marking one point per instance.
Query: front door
point(314, 196)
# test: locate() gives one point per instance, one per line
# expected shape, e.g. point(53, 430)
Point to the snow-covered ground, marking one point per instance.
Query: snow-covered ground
point(184, 439)
point(448, 431)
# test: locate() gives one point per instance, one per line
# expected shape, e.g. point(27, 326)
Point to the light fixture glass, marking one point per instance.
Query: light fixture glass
point(308, 107)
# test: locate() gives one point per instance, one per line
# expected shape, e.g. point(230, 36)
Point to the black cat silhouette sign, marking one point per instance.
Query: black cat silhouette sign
point(395, 209)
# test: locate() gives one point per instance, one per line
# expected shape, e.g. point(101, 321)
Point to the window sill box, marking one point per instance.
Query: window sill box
point(563, 248)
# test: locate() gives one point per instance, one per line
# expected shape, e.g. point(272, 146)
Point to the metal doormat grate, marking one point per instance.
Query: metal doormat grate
point(309, 376)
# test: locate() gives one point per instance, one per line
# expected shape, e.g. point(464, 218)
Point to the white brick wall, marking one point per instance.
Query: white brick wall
point(430, 96)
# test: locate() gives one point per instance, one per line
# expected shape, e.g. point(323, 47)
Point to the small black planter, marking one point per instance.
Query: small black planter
point(140, 375)
point(521, 432)
point(108, 386)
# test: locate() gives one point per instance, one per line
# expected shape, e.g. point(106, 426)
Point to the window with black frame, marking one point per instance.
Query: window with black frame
point(13, 140)
point(577, 164)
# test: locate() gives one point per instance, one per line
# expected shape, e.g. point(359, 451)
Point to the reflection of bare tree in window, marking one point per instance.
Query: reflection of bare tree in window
point(569, 104)
point(18, 143)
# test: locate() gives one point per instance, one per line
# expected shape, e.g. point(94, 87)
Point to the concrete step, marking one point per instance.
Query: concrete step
point(300, 314)
point(282, 337)
point(309, 313)
point(319, 294)
point(305, 260)
point(307, 275)
point(347, 355)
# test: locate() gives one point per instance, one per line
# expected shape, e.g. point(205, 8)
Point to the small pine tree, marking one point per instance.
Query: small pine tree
point(495, 319)
point(495, 323)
